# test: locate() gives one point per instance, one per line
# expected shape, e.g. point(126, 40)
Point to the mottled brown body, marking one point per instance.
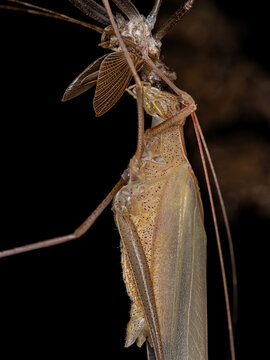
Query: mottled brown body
point(162, 155)
point(159, 198)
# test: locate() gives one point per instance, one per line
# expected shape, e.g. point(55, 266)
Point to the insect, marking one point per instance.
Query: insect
point(147, 309)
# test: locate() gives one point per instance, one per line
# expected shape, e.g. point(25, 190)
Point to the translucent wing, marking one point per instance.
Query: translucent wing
point(113, 78)
point(84, 81)
point(167, 214)
point(128, 8)
point(179, 269)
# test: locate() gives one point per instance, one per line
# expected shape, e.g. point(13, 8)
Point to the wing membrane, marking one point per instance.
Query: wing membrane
point(113, 78)
point(167, 216)
point(84, 81)
point(127, 7)
point(179, 269)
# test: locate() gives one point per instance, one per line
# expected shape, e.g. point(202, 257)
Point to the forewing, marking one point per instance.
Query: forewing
point(176, 271)
point(113, 78)
point(142, 275)
point(179, 269)
point(84, 81)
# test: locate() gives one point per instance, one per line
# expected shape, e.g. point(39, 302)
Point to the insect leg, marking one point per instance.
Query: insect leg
point(176, 119)
point(221, 259)
point(161, 75)
point(137, 79)
point(177, 16)
point(81, 230)
point(93, 10)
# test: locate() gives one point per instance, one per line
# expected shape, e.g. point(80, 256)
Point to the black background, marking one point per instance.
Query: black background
point(58, 161)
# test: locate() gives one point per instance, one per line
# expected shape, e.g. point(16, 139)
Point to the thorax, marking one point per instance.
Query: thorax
point(163, 153)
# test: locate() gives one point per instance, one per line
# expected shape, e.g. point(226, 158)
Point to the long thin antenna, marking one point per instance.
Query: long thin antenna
point(128, 8)
point(81, 230)
point(221, 260)
point(37, 10)
point(92, 9)
point(227, 227)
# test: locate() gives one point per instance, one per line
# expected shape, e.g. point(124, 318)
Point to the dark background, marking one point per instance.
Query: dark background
point(58, 161)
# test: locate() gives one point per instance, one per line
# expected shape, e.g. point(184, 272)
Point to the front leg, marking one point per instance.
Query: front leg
point(178, 119)
point(168, 108)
